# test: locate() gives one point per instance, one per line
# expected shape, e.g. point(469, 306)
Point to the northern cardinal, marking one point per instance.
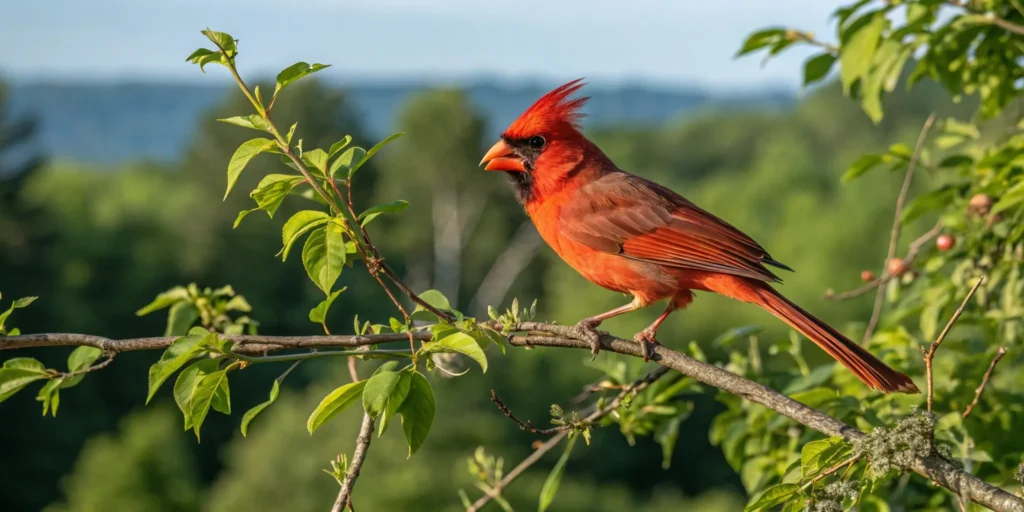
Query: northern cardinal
point(631, 235)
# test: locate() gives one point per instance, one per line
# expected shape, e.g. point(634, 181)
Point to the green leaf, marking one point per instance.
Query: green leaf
point(344, 160)
point(272, 190)
point(298, 225)
point(352, 170)
point(18, 373)
point(222, 398)
point(323, 255)
point(392, 207)
point(183, 350)
point(394, 401)
point(206, 387)
point(810, 452)
point(668, 433)
point(863, 164)
point(464, 344)
point(246, 152)
point(251, 414)
point(417, 412)
point(180, 318)
point(1012, 197)
point(241, 215)
point(316, 158)
point(819, 455)
point(776, 495)
point(202, 57)
point(295, 72)
point(80, 359)
point(223, 40)
point(818, 67)
point(165, 299)
point(335, 402)
point(377, 391)
point(547, 492)
point(434, 298)
point(761, 39)
point(238, 303)
point(318, 315)
point(338, 146)
point(887, 53)
point(83, 357)
point(254, 121)
point(856, 55)
point(49, 395)
point(18, 304)
point(185, 385)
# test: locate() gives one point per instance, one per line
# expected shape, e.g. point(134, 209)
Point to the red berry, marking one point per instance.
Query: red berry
point(980, 203)
point(867, 276)
point(945, 242)
point(896, 266)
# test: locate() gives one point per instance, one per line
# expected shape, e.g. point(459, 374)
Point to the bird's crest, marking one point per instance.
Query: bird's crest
point(555, 111)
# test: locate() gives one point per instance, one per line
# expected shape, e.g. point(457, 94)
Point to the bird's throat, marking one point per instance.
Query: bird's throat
point(522, 185)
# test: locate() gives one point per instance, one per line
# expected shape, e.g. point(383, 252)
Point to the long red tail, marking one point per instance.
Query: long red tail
point(862, 363)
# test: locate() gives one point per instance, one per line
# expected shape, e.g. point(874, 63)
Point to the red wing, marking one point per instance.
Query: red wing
point(624, 214)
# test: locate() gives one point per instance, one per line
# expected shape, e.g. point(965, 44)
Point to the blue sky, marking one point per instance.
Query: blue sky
point(664, 42)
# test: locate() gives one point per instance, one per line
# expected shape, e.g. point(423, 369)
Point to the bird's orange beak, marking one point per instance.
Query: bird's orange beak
point(501, 158)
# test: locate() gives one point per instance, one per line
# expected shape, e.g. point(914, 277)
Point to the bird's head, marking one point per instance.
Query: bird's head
point(543, 144)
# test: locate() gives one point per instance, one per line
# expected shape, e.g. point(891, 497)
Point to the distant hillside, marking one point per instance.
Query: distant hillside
point(113, 123)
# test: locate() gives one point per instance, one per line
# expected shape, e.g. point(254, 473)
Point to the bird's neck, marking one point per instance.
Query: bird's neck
point(565, 169)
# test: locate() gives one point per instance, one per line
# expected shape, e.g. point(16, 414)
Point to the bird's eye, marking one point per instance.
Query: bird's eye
point(536, 142)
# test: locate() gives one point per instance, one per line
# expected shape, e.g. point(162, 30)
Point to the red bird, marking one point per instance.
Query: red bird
point(631, 235)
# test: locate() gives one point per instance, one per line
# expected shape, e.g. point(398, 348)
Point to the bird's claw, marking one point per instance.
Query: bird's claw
point(585, 330)
point(645, 337)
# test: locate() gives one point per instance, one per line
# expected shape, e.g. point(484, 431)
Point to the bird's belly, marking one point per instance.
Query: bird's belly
point(647, 282)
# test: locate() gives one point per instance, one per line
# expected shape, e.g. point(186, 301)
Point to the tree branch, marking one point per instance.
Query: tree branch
point(984, 382)
point(930, 353)
point(362, 446)
point(990, 17)
point(595, 414)
point(897, 224)
point(933, 467)
point(912, 252)
point(244, 344)
point(528, 426)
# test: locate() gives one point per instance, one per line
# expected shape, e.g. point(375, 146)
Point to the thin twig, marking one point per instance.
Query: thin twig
point(991, 18)
point(930, 353)
point(108, 358)
point(634, 388)
point(808, 38)
point(528, 426)
point(345, 493)
point(830, 471)
point(358, 457)
point(897, 224)
point(984, 382)
point(912, 253)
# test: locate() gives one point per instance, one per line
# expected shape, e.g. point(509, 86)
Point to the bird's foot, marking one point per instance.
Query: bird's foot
point(585, 330)
point(645, 337)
